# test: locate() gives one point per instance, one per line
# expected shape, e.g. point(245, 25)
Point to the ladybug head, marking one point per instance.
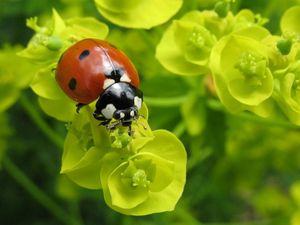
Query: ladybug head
point(126, 116)
point(120, 101)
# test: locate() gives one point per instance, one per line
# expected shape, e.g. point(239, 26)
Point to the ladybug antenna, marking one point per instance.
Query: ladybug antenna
point(79, 106)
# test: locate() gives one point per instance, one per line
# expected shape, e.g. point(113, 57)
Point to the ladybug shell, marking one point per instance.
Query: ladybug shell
point(83, 68)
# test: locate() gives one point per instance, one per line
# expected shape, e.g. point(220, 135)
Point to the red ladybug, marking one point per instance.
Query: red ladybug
point(93, 69)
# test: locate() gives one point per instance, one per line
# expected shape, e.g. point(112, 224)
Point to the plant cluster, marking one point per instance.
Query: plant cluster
point(252, 69)
point(201, 70)
point(135, 172)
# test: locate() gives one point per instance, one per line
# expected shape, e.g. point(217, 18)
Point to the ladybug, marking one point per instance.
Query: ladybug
point(94, 69)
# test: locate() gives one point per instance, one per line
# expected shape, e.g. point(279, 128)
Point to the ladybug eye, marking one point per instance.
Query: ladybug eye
point(84, 54)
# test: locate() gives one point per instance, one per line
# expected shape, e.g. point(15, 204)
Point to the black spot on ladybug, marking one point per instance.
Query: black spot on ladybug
point(84, 54)
point(72, 84)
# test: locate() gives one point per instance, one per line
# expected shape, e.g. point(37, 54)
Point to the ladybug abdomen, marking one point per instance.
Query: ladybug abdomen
point(87, 68)
point(80, 72)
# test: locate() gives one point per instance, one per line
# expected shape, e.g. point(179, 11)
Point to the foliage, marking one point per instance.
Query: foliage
point(45, 48)
point(138, 14)
point(221, 76)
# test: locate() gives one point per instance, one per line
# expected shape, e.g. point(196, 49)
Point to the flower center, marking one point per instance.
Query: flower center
point(139, 178)
point(252, 66)
point(196, 38)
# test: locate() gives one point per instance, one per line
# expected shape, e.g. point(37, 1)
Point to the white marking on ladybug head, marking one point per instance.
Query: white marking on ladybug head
point(108, 82)
point(125, 78)
point(108, 111)
point(132, 113)
point(137, 102)
point(122, 115)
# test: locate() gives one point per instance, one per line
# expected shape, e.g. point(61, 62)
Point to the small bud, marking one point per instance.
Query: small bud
point(222, 8)
point(284, 46)
point(54, 43)
point(120, 138)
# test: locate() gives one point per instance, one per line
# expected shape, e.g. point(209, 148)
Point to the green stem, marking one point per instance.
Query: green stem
point(187, 217)
point(271, 8)
point(216, 105)
point(98, 134)
point(263, 222)
point(148, 39)
point(75, 210)
point(165, 102)
point(266, 121)
point(179, 129)
point(36, 192)
point(40, 123)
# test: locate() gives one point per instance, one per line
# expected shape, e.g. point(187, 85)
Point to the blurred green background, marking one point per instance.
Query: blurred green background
point(241, 170)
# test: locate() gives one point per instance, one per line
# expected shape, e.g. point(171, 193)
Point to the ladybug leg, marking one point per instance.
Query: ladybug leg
point(101, 118)
point(79, 106)
point(113, 125)
point(105, 123)
point(130, 131)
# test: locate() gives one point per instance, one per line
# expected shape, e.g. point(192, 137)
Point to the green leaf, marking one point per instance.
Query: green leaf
point(49, 41)
point(86, 171)
point(62, 109)
point(166, 153)
point(39, 54)
point(125, 13)
point(13, 78)
point(185, 46)
point(287, 96)
point(122, 193)
point(194, 41)
point(161, 172)
point(86, 27)
point(58, 23)
point(246, 94)
point(84, 147)
point(9, 95)
point(289, 21)
point(142, 131)
point(119, 5)
point(45, 85)
point(110, 162)
point(240, 70)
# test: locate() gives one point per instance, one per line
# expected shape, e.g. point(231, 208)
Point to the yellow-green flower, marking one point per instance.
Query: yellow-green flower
point(138, 13)
point(240, 68)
